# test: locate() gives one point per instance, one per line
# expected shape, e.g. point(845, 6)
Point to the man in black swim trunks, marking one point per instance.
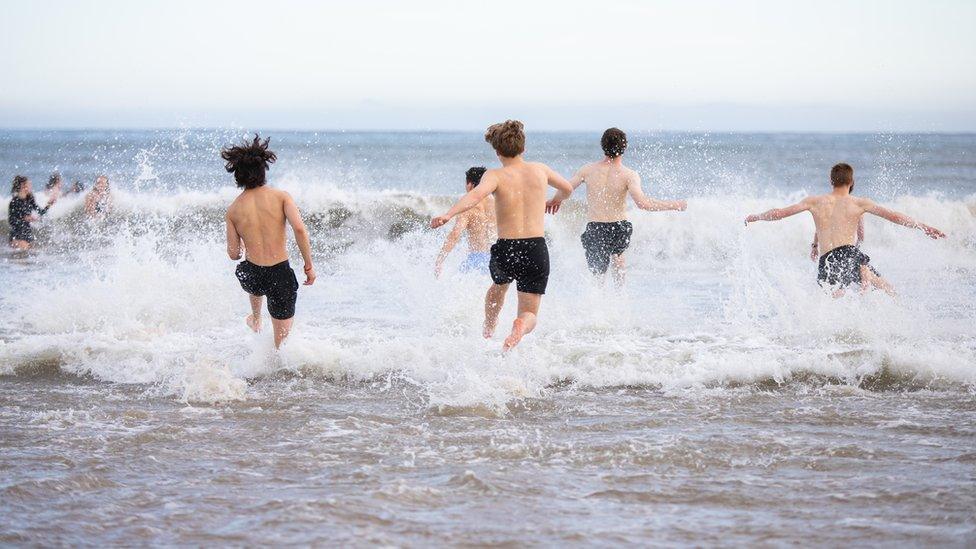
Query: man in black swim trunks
point(608, 182)
point(257, 218)
point(837, 216)
point(521, 254)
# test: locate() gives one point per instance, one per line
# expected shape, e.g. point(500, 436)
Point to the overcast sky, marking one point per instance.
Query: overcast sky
point(430, 64)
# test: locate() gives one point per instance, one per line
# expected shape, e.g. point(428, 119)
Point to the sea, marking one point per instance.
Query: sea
point(720, 397)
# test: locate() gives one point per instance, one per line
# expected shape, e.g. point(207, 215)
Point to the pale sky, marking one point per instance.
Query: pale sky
point(429, 64)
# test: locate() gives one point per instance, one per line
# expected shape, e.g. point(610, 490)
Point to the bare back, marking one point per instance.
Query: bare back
point(837, 218)
point(259, 217)
point(480, 226)
point(520, 199)
point(607, 186)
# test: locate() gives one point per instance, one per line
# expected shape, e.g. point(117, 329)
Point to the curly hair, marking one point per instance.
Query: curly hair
point(507, 138)
point(613, 142)
point(249, 162)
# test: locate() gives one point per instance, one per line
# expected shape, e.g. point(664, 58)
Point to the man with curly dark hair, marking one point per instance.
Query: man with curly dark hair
point(257, 219)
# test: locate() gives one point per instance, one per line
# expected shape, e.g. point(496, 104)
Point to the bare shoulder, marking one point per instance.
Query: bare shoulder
point(630, 174)
point(232, 209)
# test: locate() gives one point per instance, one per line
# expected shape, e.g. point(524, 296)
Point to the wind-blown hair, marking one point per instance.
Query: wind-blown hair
point(507, 138)
point(249, 162)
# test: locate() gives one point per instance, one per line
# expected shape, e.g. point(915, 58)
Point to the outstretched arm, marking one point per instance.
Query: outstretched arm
point(652, 204)
point(779, 213)
point(470, 200)
point(233, 240)
point(900, 218)
point(563, 190)
point(294, 218)
point(452, 239)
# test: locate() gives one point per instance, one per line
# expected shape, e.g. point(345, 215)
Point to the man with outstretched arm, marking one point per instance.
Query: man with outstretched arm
point(479, 225)
point(837, 216)
point(520, 254)
point(257, 218)
point(608, 182)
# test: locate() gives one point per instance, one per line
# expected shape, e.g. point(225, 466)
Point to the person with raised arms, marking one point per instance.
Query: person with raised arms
point(520, 254)
point(608, 182)
point(837, 216)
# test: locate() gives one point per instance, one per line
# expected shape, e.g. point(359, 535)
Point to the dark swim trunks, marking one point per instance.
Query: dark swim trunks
point(523, 259)
point(842, 266)
point(602, 240)
point(277, 282)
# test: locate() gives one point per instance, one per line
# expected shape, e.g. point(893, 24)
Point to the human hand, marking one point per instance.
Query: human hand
point(309, 275)
point(932, 232)
point(439, 221)
point(553, 206)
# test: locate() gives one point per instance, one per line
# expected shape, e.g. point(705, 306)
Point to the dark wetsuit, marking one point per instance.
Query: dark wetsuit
point(523, 259)
point(602, 240)
point(277, 282)
point(842, 266)
point(19, 209)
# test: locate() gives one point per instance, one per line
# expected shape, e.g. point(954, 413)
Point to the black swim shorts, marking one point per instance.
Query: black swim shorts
point(523, 259)
point(602, 240)
point(842, 266)
point(277, 282)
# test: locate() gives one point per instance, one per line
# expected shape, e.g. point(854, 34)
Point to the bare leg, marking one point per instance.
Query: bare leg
point(253, 320)
point(528, 311)
point(619, 267)
point(20, 245)
point(493, 305)
point(868, 279)
point(281, 329)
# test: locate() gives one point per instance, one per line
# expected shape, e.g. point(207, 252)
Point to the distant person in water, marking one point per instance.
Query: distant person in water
point(608, 182)
point(55, 187)
point(837, 217)
point(98, 201)
point(520, 254)
point(478, 224)
point(257, 219)
point(22, 211)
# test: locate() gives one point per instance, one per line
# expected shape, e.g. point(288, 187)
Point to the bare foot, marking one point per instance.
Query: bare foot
point(489, 328)
point(513, 339)
point(253, 322)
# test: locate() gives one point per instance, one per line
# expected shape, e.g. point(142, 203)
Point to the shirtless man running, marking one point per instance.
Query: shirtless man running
point(837, 216)
point(608, 182)
point(257, 217)
point(521, 253)
point(478, 223)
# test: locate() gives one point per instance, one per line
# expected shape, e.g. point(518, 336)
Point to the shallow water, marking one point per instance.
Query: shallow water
point(720, 398)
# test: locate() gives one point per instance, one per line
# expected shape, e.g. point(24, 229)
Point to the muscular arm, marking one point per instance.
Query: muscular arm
point(779, 213)
point(233, 240)
point(651, 204)
point(294, 218)
point(470, 200)
point(899, 218)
